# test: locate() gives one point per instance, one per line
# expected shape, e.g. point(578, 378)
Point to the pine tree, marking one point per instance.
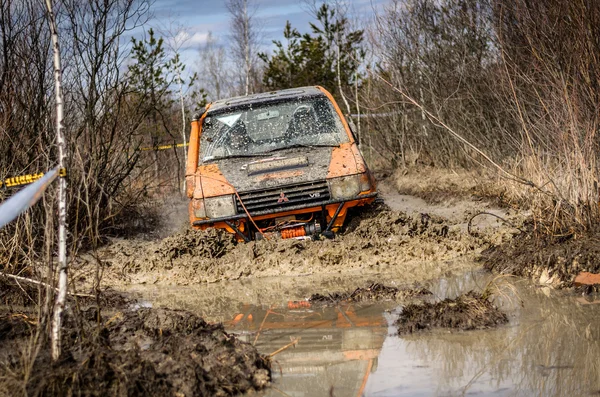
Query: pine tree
point(151, 77)
point(316, 58)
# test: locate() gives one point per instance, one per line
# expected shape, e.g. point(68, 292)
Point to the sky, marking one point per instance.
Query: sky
point(198, 17)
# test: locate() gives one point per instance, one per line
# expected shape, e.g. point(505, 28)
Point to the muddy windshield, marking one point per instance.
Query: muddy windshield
point(257, 130)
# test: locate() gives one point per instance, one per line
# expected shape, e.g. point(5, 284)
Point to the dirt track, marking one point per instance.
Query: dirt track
point(419, 242)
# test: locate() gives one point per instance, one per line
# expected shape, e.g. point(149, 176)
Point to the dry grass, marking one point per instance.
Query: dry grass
point(566, 198)
point(524, 105)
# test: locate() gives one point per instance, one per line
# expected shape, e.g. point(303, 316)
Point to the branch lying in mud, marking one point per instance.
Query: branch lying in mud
point(489, 213)
point(293, 343)
point(31, 281)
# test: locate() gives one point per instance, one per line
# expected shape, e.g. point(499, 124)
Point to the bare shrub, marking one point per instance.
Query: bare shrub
point(107, 172)
point(511, 84)
point(442, 54)
point(552, 74)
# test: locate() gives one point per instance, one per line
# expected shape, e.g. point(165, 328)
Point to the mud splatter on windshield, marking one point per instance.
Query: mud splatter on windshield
point(255, 130)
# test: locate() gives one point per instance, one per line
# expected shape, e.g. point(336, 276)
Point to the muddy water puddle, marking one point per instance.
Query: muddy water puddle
point(549, 348)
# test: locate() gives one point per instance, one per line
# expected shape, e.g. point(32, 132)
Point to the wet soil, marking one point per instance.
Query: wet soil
point(142, 351)
point(159, 351)
point(154, 352)
point(548, 260)
point(466, 312)
point(376, 239)
point(478, 212)
point(372, 292)
point(447, 186)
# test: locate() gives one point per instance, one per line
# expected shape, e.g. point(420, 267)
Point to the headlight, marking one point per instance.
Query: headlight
point(365, 182)
point(198, 207)
point(220, 206)
point(345, 187)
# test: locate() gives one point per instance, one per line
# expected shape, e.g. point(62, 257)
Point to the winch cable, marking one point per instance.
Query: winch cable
point(250, 216)
point(296, 222)
point(262, 231)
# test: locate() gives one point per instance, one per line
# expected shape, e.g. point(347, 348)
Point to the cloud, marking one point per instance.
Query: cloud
point(198, 17)
point(197, 39)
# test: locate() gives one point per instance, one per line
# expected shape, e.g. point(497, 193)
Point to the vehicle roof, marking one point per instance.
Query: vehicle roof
point(290, 93)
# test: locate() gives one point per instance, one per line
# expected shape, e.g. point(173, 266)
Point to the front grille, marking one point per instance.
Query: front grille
point(266, 200)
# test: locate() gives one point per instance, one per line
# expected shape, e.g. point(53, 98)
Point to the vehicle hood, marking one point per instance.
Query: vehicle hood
point(284, 167)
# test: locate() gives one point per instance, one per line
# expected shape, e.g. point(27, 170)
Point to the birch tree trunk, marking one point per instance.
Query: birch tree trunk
point(247, 45)
point(358, 133)
point(422, 99)
point(62, 192)
point(244, 38)
point(339, 78)
point(182, 126)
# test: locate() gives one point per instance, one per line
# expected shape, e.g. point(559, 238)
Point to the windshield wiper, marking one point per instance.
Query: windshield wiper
point(297, 145)
point(235, 156)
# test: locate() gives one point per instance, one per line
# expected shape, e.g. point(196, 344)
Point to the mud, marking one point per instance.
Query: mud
point(372, 292)
point(376, 240)
point(447, 186)
point(467, 312)
point(548, 260)
point(154, 352)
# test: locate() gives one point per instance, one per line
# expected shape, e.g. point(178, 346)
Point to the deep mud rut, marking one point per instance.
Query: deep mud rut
point(420, 244)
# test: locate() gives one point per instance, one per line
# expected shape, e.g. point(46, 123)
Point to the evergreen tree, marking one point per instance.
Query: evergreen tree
point(302, 62)
point(316, 58)
point(152, 73)
point(151, 76)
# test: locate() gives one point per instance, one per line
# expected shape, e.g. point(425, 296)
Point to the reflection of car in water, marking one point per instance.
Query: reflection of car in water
point(282, 162)
point(337, 345)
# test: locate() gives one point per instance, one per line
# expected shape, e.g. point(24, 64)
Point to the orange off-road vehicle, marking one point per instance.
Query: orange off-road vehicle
point(279, 163)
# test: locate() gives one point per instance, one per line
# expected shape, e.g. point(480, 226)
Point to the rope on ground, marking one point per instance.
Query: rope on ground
point(491, 214)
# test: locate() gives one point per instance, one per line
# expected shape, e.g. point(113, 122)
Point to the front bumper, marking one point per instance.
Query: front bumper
point(316, 206)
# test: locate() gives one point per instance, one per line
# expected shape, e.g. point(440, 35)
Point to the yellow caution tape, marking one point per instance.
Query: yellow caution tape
point(164, 147)
point(27, 179)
